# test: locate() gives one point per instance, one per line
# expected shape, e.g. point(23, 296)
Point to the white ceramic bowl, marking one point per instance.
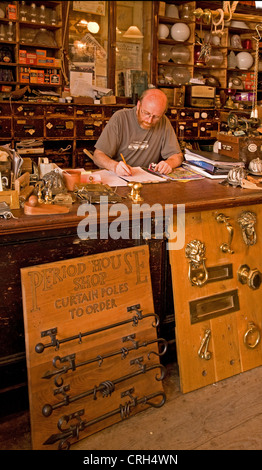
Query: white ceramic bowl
point(180, 32)
point(244, 60)
point(163, 31)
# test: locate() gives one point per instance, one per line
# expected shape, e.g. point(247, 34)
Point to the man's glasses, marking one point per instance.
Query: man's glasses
point(148, 115)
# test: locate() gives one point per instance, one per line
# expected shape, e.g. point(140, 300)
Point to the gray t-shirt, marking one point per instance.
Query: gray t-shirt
point(140, 147)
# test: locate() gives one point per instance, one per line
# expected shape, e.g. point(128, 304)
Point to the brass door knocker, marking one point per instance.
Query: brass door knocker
point(252, 329)
point(247, 222)
point(197, 274)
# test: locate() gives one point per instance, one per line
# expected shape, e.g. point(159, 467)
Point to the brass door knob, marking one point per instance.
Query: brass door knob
point(251, 277)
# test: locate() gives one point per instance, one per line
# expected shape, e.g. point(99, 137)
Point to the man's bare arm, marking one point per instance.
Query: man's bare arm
point(166, 166)
point(103, 161)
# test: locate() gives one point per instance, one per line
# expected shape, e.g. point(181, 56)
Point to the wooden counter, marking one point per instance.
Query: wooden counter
point(32, 240)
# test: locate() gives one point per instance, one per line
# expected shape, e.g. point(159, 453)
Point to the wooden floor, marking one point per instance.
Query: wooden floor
point(222, 416)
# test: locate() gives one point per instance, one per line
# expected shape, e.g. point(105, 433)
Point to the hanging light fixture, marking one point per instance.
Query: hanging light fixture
point(92, 26)
point(133, 32)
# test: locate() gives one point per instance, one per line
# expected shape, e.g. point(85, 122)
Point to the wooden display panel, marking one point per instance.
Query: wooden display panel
point(237, 304)
point(91, 344)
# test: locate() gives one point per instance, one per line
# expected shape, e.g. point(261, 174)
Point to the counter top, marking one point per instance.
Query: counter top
point(195, 195)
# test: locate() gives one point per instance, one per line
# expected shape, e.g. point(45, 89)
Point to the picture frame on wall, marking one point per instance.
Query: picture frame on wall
point(95, 7)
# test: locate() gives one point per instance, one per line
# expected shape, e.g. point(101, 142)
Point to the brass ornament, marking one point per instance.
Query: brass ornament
point(247, 222)
point(203, 352)
point(197, 274)
point(252, 329)
point(226, 247)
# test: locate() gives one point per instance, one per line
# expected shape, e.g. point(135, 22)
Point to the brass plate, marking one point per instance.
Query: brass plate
point(213, 306)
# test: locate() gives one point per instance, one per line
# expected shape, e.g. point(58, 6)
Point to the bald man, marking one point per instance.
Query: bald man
point(143, 134)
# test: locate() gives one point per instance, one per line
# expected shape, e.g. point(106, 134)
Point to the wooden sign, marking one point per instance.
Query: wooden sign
point(91, 343)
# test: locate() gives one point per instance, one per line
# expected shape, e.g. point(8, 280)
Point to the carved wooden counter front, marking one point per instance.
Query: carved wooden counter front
point(33, 240)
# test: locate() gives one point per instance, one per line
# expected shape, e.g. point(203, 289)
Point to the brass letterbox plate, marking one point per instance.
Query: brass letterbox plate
point(213, 306)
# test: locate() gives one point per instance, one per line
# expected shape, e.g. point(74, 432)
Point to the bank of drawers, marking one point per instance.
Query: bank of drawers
point(67, 129)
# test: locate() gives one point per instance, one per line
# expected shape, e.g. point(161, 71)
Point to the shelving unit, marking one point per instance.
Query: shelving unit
point(162, 71)
point(40, 70)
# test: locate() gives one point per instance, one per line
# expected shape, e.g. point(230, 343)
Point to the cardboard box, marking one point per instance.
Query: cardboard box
point(50, 61)
point(22, 57)
point(11, 12)
point(108, 99)
point(58, 63)
point(40, 61)
point(83, 100)
point(24, 77)
point(40, 76)
point(55, 78)
point(31, 58)
point(40, 53)
point(33, 76)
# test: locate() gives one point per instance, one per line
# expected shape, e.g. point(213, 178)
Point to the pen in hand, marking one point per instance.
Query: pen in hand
point(127, 166)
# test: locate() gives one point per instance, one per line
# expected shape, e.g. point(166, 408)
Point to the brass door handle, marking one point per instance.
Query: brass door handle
point(203, 352)
point(226, 247)
point(252, 329)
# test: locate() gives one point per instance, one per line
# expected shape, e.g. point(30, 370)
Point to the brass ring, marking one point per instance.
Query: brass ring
point(252, 329)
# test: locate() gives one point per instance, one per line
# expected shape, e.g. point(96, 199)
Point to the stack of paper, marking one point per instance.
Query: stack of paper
point(210, 164)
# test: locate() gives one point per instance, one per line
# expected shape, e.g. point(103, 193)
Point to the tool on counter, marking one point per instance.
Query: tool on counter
point(33, 207)
point(23, 188)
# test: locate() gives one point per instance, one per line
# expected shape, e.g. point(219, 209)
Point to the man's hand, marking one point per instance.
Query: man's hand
point(122, 169)
point(163, 167)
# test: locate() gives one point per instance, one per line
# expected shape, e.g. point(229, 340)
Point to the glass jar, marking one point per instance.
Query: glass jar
point(2, 33)
point(33, 13)
point(23, 12)
point(10, 31)
point(53, 17)
point(42, 14)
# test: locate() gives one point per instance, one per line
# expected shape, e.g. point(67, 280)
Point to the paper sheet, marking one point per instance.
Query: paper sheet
point(138, 175)
point(141, 176)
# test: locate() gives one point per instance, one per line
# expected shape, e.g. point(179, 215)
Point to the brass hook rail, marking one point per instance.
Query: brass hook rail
point(106, 388)
point(73, 431)
point(70, 360)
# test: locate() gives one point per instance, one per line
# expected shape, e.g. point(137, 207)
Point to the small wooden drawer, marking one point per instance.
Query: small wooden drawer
point(187, 129)
point(29, 127)
point(208, 129)
point(5, 109)
point(61, 109)
point(27, 109)
point(88, 127)
point(6, 127)
point(59, 127)
point(110, 110)
point(94, 112)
